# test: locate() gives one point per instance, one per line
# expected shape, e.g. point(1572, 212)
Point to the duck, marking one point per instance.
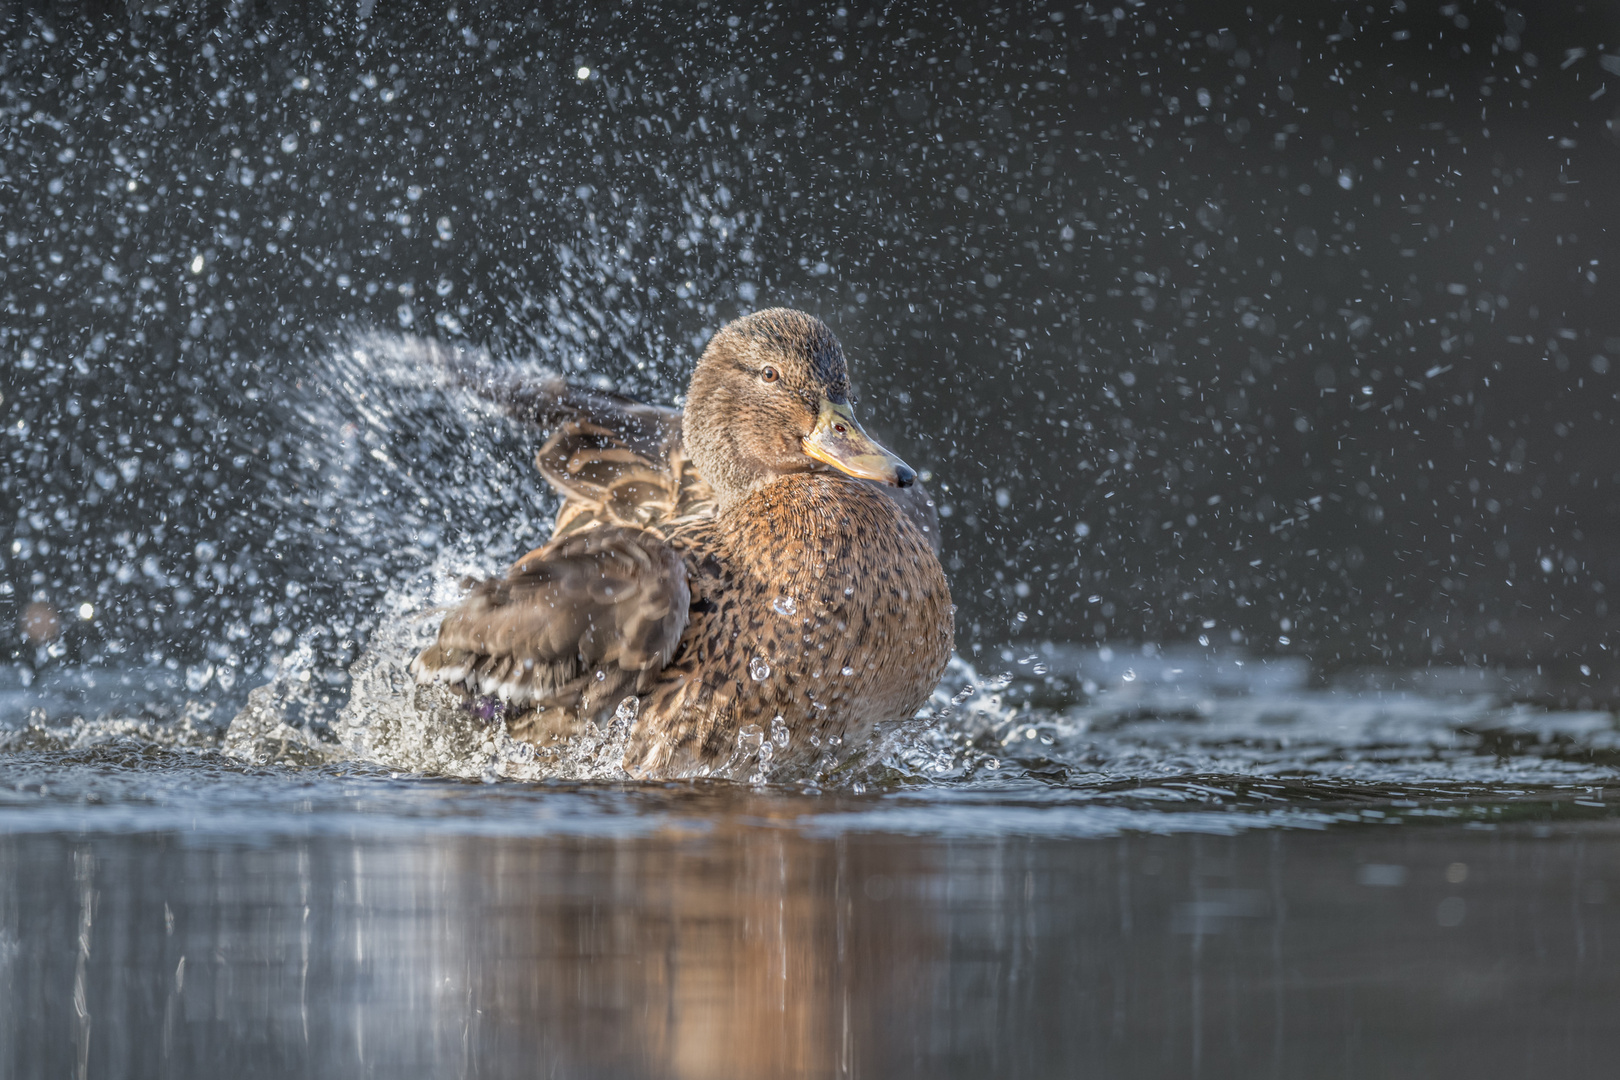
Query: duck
point(754, 562)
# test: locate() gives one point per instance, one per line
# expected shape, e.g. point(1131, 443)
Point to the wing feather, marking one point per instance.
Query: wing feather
point(610, 599)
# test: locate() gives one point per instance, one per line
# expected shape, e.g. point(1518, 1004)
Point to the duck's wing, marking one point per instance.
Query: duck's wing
point(614, 460)
point(608, 479)
point(610, 600)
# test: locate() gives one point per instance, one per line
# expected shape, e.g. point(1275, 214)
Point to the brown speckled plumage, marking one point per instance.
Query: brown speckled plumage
point(708, 566)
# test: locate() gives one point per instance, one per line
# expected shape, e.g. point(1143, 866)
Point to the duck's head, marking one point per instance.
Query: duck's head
point(770, 396)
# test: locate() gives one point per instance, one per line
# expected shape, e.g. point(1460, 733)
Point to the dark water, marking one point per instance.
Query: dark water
point(1262, 358)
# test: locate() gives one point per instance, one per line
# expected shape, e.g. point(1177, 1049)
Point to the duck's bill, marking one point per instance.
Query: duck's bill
point(840, 442)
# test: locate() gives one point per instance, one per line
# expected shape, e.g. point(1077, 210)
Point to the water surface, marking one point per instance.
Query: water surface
point(421, 929)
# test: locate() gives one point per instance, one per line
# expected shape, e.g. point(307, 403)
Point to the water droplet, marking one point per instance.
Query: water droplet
point(759, 669)
point(779, 731)
point(784, 605)
point(846, 671)
point(1130, 675)
point(627, 710)
point(849, 590)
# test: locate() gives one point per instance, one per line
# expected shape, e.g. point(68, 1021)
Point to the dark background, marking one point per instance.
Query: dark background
point(1285, 325)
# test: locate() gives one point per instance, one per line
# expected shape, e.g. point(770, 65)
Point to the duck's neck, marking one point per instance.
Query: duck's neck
point(744, 490)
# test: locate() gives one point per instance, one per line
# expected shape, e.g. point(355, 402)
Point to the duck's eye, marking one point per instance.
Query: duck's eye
point(768, 374)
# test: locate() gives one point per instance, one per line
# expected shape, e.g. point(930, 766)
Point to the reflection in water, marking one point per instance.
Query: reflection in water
point(751, 951)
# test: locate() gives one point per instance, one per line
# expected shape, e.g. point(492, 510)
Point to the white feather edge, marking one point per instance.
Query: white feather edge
point(513, 692)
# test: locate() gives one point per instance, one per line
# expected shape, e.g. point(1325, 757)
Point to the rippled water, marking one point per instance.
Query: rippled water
point(183, 914)
point(1197, 868)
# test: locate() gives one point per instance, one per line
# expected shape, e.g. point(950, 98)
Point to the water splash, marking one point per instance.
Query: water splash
point(401, 487)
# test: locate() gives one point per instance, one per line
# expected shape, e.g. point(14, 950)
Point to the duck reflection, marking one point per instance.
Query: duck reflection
point(735, 956)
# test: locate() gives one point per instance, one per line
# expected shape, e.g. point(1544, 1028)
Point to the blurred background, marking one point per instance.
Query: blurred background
point(1274, 326)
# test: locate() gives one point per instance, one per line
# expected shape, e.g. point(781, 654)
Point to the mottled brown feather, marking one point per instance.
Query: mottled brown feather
point(865, 594)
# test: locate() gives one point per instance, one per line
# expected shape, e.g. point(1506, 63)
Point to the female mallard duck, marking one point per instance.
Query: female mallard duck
point(758, 558)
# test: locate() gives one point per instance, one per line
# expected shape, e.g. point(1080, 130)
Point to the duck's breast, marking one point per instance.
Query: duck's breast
point(837, 609)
